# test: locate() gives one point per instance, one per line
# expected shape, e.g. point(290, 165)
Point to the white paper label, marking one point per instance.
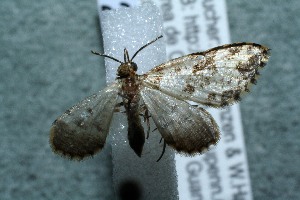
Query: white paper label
point(221, 173)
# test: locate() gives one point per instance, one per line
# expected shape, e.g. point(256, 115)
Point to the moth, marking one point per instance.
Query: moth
point(216, 77)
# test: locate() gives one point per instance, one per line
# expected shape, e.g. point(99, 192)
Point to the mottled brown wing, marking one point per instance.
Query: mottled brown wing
point(186, 128)
point(81, 131)
point(216, 77)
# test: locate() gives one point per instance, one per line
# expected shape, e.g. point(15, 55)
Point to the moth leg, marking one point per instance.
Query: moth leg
point(142, 108)
point(117, 107)
point(146, 117)
point(160, 140)
point(123, 96)
point(163, 151)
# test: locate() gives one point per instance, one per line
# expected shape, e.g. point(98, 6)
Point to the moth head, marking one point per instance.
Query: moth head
point(128, 67)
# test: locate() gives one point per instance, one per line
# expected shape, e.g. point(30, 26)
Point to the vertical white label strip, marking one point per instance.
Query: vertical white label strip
point(221, 173)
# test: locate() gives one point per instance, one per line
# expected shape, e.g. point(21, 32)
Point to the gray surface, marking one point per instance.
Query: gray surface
point(46, 66)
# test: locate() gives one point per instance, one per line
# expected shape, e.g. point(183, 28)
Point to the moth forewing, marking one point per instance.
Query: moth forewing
point(82, 130)
point(216, 77)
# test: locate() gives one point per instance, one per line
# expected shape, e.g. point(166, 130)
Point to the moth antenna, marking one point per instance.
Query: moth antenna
point(126, 55)
point(145, 46)
point(100, 54)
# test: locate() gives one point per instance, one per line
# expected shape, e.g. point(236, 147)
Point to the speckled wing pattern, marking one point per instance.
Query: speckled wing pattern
point(82, 129)
point(186, 128)
point(216, 77)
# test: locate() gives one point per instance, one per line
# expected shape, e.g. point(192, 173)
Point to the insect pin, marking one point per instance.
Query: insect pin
point(216, 77)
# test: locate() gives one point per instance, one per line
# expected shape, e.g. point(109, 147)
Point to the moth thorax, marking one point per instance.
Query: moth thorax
point(126, 69)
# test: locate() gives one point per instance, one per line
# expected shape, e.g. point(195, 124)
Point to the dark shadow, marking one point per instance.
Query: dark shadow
point(130, 190)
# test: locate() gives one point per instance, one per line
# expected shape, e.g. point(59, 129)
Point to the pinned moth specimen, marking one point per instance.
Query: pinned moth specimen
point(216, 77)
